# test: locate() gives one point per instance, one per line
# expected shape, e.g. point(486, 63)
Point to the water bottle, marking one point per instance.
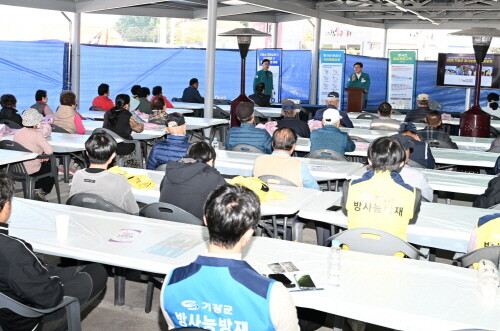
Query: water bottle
point(334, 261)
point(215, 143)
point(488, 279)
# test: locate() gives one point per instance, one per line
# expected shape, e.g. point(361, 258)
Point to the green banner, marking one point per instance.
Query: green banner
point(403, 57)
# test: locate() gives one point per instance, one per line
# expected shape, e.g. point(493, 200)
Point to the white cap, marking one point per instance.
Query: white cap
point(331, 116)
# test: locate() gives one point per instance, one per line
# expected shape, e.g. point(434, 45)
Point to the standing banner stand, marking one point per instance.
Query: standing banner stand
point(331, 74)
point(401, 78)
point(275, 56)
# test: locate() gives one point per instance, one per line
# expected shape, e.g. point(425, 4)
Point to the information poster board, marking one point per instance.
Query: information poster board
point(401, 78)
point(275, 56)
point(331, 74)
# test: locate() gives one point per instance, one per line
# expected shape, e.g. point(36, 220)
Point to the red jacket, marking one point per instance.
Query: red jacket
point(103, 102)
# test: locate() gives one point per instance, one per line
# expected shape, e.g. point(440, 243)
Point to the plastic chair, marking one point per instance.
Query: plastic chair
point(122, 159)
point(436, 143)
point(57, 128)
point(376, 242)
point(94, 201)
point(358, 139)
point(246, 148)
point(18, 172)
point(71, 304)
point(491, 253)
point(366, 116)
point(96, 108)
point(414, 164)
point(177, 99)
point(167, 212)
point(327, 154)
point(162, 167)
point(277, 180)
point(11, 124)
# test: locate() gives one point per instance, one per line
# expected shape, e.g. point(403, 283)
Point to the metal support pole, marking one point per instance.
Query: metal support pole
point(468, 93)
point(313, 83)
point(75, 57)
point(210, 58)
point(275, 35)
point(384, 45)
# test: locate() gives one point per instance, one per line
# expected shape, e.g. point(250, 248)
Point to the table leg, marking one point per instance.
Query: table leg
point(66, 162)
point(338, 323)
point(119, 286)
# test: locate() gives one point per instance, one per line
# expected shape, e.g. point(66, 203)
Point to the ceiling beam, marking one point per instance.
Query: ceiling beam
point(297, 9)
point(59, 5)
point(416, 7)
point(230, 11)
point(462, 16)
point(98, 5)
point(260, 18)
point(149, 12)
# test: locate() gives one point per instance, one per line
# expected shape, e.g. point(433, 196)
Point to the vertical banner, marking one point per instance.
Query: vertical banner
point(331, 74)
point(274, 55)
point(401, 78)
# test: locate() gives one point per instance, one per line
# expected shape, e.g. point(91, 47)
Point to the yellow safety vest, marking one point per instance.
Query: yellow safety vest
point(488, 231)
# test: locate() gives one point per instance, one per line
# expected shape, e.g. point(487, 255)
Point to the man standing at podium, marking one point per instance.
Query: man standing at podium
point(359, 79)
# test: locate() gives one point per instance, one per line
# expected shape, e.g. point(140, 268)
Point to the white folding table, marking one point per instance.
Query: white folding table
point(8, 156)
point(99, 115)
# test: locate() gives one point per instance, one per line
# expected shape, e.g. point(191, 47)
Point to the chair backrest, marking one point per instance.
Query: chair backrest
point(162, 167)
point(493, 132)
point(96, 108)
point(366, 116)
point(220, 113)
point(435, 105)
point(376, 242)
point(358, 139)
point(13, 146)
point(94, 201)
point(491, 253)
point(11, 124)
point(246, 148)
point(277, 180)
point(414, 164)
point(494, 149)
point(190, 329)
point(327, 154)
point(436, 143)
point(104, 130)
point(57, 128)
point(177, 99)
point(169, 212)
point(17, 307)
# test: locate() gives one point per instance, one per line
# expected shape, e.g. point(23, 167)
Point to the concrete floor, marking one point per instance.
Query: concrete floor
point(107, 317)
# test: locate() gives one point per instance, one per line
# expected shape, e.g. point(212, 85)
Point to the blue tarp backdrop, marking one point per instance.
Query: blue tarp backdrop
point(28, 66)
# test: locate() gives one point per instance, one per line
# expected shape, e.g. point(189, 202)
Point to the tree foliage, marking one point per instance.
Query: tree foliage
point(137, 28)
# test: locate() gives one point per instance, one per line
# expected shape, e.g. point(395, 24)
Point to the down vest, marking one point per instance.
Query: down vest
point(171, 149)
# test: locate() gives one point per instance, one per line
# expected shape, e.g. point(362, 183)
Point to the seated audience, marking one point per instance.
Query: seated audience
point(9, 111)
point(412, 176)
point(380, 199)
point(191, 93)
point(492, 104)
point(385, 122)
point(251, 301)
point(159, 114)
point(332, 101)
point(491, 196)
point(120, 121)
point(418, 115)
point(433, 130)
point(134, 99)
point(174, 147)
point(41, 105)
point(281, 163)
point(486, 233)
point(259, 98)
point(96, 179)
point(247, 133)
point(27, 279)
point(289, 110)
point(66, 115)
point(330, 137)
point(144, 104)
point(189, 181)
point(421, 152)
point(31, 138)
point(102, 100)
point(158, 93)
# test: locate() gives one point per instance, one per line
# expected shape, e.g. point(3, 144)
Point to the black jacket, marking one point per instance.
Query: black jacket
point(491, 196)
point(12, 115)
point(25, 278)
point(187, 185)
point(300, 127)
point(192, 94)
point(260, 99)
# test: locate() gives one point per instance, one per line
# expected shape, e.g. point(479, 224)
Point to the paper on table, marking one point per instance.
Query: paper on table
point(175, 245)
point(125, 236)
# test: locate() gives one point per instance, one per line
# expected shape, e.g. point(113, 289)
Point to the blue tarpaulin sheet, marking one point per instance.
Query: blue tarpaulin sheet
point(28, 66)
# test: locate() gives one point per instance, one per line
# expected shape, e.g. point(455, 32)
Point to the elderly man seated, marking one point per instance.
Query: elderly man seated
point(385, 122)
point(330, 137)
point(433, 130)
point(418, 115)
point(288, 110)
point(281, 164)
point(247, 133)
point(332, 101)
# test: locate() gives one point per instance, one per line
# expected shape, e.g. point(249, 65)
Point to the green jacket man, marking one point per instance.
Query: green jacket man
point(264, 76)
point(359, 78)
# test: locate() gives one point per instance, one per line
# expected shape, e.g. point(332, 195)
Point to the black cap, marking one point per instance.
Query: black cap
point(333, 94)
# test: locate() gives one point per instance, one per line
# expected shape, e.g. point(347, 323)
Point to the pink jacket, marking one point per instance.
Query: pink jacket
point(33, 140)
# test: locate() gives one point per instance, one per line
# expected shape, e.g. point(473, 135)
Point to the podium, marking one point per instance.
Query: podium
point(355, 98)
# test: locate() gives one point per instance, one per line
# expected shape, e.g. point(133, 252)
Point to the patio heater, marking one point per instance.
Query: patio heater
point(475, 122)
point(244, 36)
